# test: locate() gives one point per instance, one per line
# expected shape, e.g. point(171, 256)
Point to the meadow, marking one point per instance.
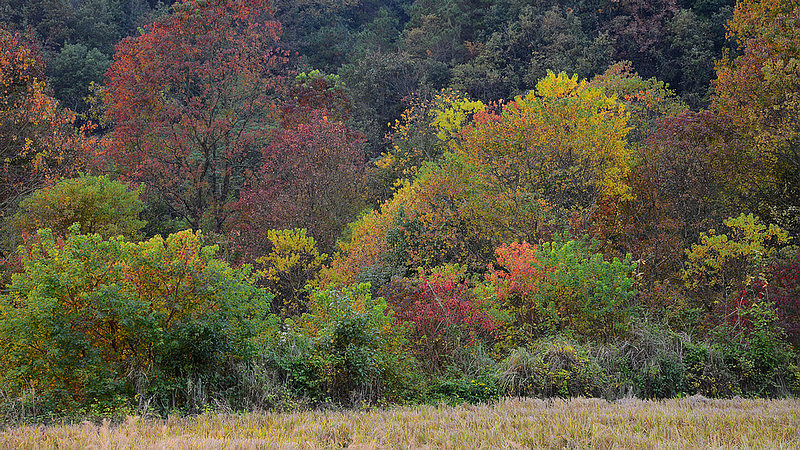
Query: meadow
point(693, 422)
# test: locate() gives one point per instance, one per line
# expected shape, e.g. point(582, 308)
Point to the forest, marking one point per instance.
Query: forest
point(246, 205)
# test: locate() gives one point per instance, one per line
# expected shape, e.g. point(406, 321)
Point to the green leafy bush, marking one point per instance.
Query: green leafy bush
point(564, 286)
point(707, 373)
point(348, 348)
point(756, 351)
point(481, 389)
point(91, 320)
point(100, 205)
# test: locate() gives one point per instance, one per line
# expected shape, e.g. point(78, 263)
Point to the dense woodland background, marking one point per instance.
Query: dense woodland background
point(241, 204)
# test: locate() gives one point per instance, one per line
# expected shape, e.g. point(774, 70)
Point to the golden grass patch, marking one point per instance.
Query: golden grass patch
point(695, 422)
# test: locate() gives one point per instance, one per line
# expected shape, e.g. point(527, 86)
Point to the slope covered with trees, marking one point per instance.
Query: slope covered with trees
point(299, 203)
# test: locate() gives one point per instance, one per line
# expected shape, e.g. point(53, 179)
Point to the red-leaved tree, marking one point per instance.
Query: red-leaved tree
point(446, 314)
point(193, 102)
point(312, 177)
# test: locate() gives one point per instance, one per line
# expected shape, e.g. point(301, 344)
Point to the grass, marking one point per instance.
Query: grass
point(695, 422)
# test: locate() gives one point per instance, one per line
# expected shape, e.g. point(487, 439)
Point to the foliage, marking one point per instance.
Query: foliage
point(100, 205)
point(357, 348)
point(649, 363)
point(552, 368)
point(311, 177)
point(74, 69)
point(645, 100)
point(785, 293)
point(372, 244)
point(90, 319)
point(563, 286)
point(560, 148)
point(755, 351)
point(193, 102)
point(38, 141)
point(291, 263)
point(723, 263)
point(445, 313)
point(483, 389)
point(539, 166)
point(314, 91)
point(524, 43)
point(425, 130)
point(678, 193)
point(757, 90)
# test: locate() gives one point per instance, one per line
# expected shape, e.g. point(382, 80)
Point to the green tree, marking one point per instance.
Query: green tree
point(100, 205)
point(73, 70)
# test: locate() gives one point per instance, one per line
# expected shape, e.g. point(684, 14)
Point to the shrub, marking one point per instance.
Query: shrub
point(108, 208)
point(447, 316)
point(707, 373)
point(555, 367)
point(564, 286)
point(650, 363)
point(481, 389)
point(91, 320)
point(780, 286)
point(758, 353)
point(348, 348)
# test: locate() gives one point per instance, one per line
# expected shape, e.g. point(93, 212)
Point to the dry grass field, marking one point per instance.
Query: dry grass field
point(578, 423)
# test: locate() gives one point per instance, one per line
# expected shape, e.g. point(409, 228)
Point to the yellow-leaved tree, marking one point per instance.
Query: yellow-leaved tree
point(538, 167)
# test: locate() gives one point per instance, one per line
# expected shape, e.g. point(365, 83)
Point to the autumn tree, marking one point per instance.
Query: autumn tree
point(677, 194)
point(38, 141)
point(285, 271)
point(539, 166)
point(646, 100)
point(722, 263)
point(311, 178)
point(193, 100)
point(758, 91)
point(425, 130)
point(557, 150)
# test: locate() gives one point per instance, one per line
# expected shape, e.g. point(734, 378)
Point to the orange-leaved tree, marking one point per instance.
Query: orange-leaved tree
point(38, 141)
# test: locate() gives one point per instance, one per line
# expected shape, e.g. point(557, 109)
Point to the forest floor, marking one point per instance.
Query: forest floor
point(695, 422)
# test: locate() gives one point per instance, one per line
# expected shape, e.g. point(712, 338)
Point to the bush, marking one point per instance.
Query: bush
point(347, 349)
point(707, 373)
point(108, 208)
point(481, 389)
point(446, 314)
point(564, 286)
point(91, 320)
point(650, 363)
point(555, 367)
point(758, 354)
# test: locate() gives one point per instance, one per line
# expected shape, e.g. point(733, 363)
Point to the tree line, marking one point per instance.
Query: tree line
point(274, 205)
